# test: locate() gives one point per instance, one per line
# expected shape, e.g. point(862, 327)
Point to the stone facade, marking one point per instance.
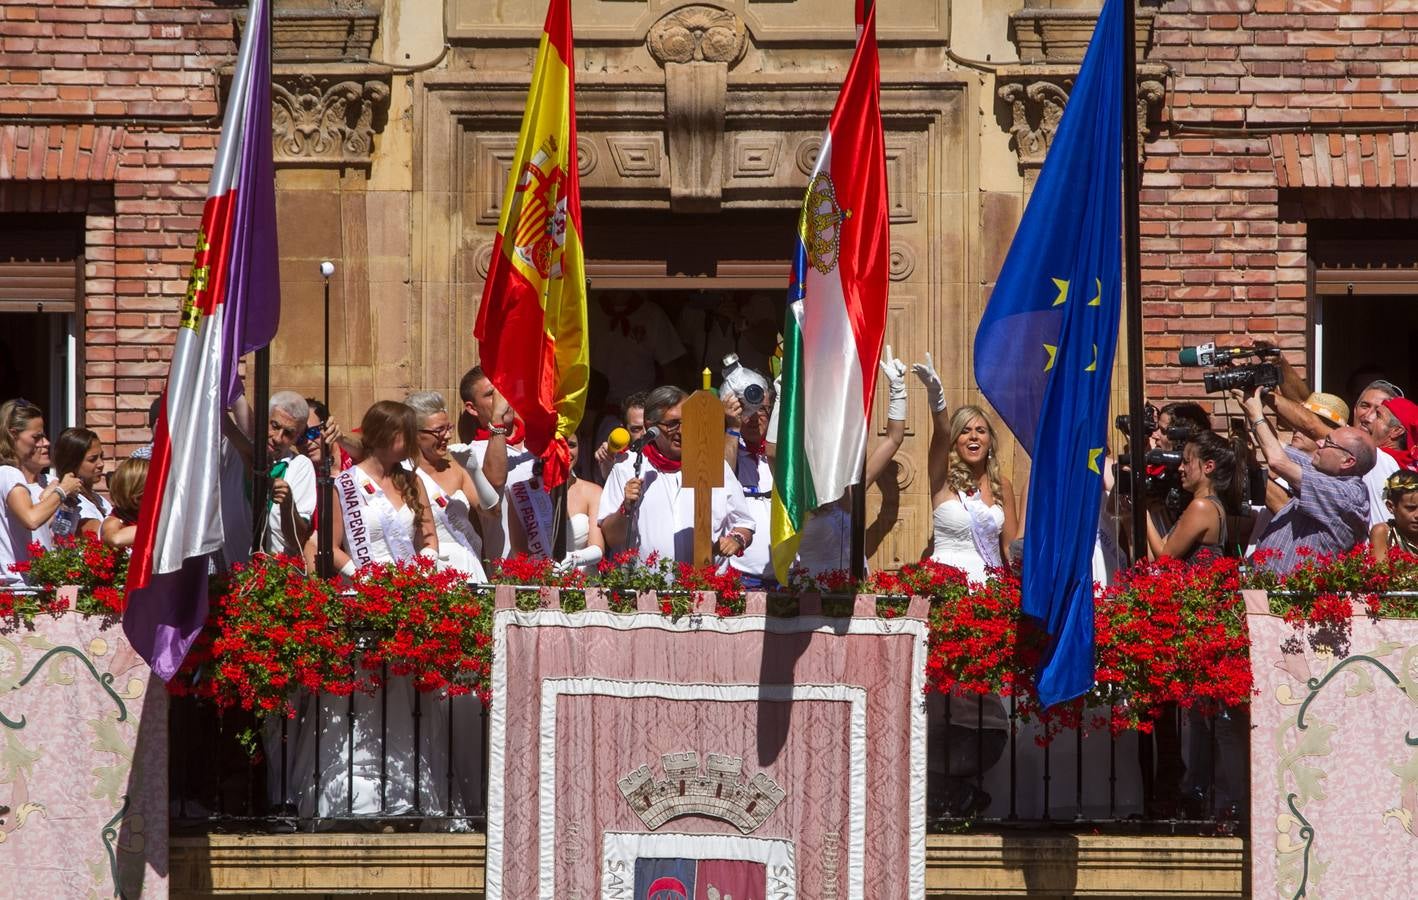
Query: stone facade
point(699, 123)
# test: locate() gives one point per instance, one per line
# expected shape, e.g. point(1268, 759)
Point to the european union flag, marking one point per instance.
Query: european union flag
point(1044, 354)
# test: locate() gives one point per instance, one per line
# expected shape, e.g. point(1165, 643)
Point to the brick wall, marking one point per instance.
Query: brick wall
point(109, 109)
point(1224, 250)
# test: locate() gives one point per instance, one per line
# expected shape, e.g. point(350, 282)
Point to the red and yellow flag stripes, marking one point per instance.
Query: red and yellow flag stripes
point(531, 327)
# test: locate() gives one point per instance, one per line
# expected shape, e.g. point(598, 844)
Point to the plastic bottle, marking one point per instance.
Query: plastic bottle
point(66, 520)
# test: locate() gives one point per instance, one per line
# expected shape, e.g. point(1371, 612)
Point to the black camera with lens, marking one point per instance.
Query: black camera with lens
point(1149, 421)
point(1162, 479)
point(1244, 378)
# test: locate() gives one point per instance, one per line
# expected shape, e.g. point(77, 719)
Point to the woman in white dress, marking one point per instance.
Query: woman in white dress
point(973, 518)
point(583, 499)
point(451, 488)
point(973, 521)
point(29, 498)
point(383, 515)
point(80, 451)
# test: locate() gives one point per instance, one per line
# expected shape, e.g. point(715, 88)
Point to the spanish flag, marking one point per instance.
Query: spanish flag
point(531, 327)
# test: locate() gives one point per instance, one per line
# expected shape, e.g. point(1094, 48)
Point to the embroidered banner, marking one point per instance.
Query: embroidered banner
point(83, 764)
point(699, 758)
point(1334, 757)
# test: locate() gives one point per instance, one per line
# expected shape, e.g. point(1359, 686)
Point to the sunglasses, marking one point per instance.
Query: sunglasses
point(311, 433)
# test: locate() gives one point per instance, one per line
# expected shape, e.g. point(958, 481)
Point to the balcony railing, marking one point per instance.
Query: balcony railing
point(351, 764)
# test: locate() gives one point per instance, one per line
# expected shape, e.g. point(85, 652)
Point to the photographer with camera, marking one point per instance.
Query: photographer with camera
point(1295, 407)
point(1328, 511)
point(1208, 473)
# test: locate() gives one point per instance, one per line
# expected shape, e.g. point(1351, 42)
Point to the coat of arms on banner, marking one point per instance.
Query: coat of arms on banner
point(644, 757)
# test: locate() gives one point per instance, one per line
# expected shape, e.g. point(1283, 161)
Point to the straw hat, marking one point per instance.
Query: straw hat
point(1328, 407)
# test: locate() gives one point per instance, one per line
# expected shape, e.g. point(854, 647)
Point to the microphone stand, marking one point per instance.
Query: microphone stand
point(325, 483)
point(633, 537)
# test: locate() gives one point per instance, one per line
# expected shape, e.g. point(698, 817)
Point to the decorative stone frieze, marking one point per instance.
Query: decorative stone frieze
point(1060, 36)
point(327, 116)
point(696, 45)
point(698, 34)
point(1034, 99)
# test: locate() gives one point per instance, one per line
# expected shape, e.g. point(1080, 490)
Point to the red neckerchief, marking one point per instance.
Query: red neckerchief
point(660, 460)
point(617, 316)
point(1404, 458)
point(519, 431)
point(759, 450)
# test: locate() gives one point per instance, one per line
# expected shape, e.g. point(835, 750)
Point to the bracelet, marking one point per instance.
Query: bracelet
point(63, 494)
point(498, 430)
point(732, 432)
point(1256, 423)
point(740, 539)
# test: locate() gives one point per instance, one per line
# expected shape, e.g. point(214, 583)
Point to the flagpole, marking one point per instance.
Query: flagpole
point(260, 463)
point(325, 500)
point(1137, 437)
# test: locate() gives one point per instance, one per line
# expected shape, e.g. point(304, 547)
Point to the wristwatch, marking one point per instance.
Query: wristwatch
point(499, 430)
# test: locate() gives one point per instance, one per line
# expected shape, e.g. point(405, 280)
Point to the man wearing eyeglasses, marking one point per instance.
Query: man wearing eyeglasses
point(1328, 511)
point(649, 510)
point(1368, 414)
point(291, 502)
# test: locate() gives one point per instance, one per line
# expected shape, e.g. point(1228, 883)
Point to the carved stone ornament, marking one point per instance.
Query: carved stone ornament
point(1037, 96)
point(698, 34)
point(718, 793)
point(327, 118)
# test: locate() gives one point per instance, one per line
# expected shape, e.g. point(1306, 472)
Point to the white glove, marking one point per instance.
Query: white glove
point(895, 372)
point(935, 391)
point(586, 556)
point(348, 569)
point(433, 554)
point(771, 435)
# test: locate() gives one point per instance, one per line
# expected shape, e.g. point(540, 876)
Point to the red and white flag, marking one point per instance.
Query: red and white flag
point(232, 307)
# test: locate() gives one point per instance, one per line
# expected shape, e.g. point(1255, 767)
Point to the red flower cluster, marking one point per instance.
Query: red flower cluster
point(80, 560)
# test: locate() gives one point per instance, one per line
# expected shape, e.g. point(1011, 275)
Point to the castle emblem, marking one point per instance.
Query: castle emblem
point(540, 229)
point(823, 217)
point(718, 793)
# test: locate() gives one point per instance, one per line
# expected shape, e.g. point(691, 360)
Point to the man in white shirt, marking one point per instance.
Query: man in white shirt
point(746, 451)
point(291, 502)
point(494, 445)
point(651, 512)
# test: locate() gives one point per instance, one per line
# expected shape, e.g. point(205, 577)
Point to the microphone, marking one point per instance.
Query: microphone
point(1212, 355)
point(617, 440)
point(639, 443)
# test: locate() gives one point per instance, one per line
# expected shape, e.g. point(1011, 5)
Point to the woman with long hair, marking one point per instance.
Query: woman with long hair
point(382, 514)
point(974, 515)
point(80, 451)
point(383, 495)
point(450, 487)
point(1208, 473)
point(29, 498)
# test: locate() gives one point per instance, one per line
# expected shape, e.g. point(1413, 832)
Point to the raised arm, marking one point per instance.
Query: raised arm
point(894, 371)
point(938, 452)
point(1269, 443)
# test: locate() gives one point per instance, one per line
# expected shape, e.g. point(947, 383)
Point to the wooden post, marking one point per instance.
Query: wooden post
point(702, 453)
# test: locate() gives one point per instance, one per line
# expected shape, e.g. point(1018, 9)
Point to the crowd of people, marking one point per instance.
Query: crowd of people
point(459, 486)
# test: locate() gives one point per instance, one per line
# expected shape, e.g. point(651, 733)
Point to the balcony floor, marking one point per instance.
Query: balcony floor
point(963, 865)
